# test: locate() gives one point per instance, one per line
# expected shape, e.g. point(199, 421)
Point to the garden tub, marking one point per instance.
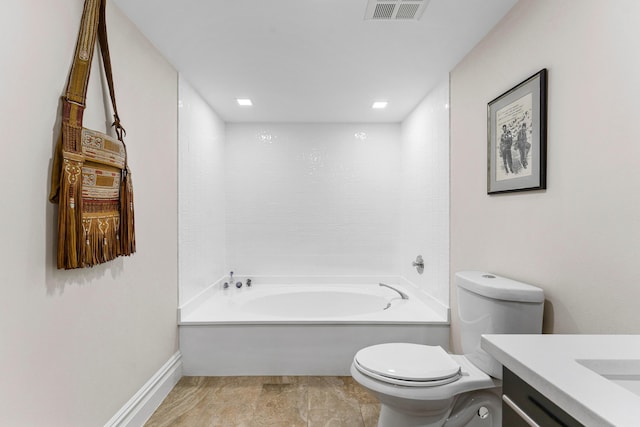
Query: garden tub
point(303, 327)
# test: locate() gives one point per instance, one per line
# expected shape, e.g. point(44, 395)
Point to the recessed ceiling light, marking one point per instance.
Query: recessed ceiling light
point(379, 105)
point(244, 102)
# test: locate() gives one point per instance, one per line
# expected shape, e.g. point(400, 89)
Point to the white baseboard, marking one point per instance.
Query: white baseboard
point(142, 405)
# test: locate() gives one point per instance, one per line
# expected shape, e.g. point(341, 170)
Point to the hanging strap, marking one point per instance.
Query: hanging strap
point(106, 61)
point(93, 25)
point(81, 66)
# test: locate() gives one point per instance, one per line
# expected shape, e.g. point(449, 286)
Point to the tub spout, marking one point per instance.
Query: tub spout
point(402, 294)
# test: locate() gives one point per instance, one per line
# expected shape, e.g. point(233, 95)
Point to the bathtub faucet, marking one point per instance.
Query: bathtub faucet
point(402, 294)
point(229, 282)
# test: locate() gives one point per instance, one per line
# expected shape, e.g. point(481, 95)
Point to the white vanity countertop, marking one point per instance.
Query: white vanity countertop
point(550, 364)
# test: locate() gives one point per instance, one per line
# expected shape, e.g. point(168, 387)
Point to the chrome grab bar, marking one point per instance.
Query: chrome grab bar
point(402, 294)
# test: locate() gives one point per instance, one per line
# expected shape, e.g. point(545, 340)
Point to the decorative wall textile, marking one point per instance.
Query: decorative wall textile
point(91, 180)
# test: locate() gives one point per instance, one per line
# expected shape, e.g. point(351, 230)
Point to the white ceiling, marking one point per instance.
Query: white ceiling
point(311, 60)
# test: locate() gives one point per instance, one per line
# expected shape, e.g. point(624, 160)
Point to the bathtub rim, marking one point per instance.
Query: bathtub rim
point(442, 311)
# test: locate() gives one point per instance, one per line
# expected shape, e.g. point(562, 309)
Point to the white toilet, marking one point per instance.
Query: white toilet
point(420, 385)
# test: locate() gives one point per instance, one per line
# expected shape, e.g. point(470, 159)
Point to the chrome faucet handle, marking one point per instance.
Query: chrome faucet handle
point(419, 264)
point(248, 283)
point(226, 285)
point(238, 285)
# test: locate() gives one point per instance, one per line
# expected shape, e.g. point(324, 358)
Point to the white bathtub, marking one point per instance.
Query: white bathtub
point(302, 328)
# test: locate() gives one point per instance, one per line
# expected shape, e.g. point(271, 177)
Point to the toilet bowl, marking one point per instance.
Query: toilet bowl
point(424, 386)
point(420, 385)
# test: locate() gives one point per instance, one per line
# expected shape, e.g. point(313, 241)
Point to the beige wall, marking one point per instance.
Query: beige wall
point(76, 345)
point(580, 239)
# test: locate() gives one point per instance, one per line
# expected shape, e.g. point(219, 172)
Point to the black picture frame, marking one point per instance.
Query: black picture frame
point(517, 137)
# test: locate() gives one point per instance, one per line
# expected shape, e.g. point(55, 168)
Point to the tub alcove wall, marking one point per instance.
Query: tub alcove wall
point(341, 201)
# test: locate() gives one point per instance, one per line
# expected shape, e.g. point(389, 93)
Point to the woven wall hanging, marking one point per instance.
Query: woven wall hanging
point(91, 180)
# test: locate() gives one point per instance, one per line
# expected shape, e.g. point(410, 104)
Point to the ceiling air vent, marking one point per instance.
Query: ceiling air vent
point(395, 10)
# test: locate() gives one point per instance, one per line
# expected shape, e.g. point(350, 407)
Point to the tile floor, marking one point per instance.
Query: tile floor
point(267, 401)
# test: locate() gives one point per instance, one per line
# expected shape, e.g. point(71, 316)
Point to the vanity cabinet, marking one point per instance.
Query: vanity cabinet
point(523, 405)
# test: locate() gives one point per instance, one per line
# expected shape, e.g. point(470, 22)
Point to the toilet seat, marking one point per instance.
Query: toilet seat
point(411, 365)
point(472, 378)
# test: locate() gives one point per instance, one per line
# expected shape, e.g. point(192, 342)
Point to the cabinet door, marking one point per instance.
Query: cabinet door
point(523, 405)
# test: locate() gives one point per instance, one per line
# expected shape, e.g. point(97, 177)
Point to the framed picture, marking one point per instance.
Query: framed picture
point(517, 137)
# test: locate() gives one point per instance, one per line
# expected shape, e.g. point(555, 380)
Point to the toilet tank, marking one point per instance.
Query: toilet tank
point(489, 304)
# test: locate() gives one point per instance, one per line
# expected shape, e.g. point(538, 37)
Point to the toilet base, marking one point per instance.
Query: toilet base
point(464, 413)
point(390, 417)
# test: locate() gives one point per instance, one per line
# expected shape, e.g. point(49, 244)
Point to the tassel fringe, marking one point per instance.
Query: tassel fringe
point(70, 250)
point(127, 217)
point(88, 239)
point(100, 237)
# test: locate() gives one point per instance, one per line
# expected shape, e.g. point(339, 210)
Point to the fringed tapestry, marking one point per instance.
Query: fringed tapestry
point(91, 180)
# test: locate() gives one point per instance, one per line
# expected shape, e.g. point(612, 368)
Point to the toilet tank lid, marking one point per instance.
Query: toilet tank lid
point(496, 287)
